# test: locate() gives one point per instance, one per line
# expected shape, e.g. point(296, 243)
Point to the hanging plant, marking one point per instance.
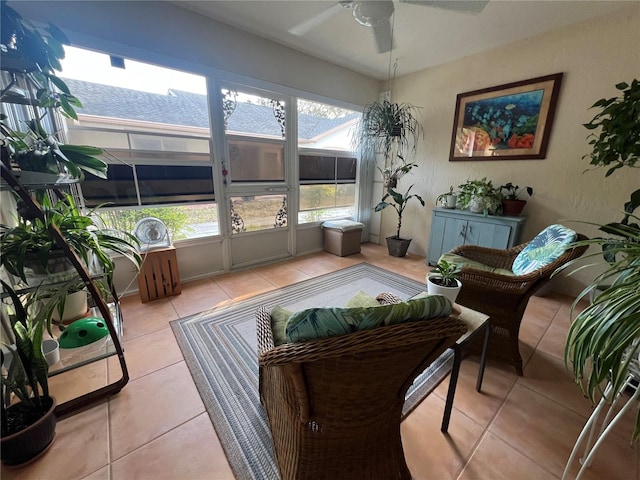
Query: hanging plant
point(384, 125)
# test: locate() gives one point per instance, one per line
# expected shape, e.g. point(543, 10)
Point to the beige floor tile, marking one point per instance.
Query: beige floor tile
point(80, 447)
point(282, 275)
point(243, 284)
point(495, 459)
point(548, 376)
point(151, 406)
point(69, 385)
point(191, 451)
point(197, 297)
point(554, 340)
point(545, 431)
point(103, 474)
point(141, 318)
point(481, 406)
point(430, 453)
point(146, 354)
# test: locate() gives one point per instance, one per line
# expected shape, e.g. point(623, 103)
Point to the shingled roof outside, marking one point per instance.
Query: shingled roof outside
point(190, 109)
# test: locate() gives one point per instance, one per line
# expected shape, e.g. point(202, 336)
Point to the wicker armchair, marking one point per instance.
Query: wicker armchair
point(334, 405)
point(504, 298)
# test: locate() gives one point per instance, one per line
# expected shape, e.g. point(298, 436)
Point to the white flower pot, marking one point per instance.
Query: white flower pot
point(51, 350)
point(75, 307)
point(450, 292)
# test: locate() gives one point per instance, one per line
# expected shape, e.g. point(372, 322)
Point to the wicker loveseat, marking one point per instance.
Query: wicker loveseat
point(492, 289)
point(334, 404)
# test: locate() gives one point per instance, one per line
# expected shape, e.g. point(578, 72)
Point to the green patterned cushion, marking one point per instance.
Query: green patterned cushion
point(315, 323)
point(466, 263)
point(279, 318)
point(362, 299)
point(546, 247)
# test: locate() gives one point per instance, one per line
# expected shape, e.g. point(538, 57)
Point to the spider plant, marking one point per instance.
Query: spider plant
point(384, 125)
point(603, 338)
point(29, 243)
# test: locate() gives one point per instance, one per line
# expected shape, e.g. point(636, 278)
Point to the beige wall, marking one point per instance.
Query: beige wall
point(594, 56)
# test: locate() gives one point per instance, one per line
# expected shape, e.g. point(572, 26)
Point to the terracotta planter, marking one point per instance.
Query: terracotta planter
point(397, 247)
point(30, 442)
point(513, 208)
point(450, 292)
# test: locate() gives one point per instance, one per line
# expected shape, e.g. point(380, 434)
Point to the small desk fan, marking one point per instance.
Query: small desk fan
point(152, 233)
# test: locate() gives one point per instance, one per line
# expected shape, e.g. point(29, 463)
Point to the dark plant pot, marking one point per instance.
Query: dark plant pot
point(396, 131)
point(397, 246)
point(27, 444)
point(513, 208)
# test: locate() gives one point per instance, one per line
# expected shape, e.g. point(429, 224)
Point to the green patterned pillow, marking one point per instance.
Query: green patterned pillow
point(279, 318)
point(466, 263)
point(315, 323)
point(546, 247)
point(362, 299)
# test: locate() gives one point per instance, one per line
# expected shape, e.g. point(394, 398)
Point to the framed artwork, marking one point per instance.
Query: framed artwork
point(507, 122)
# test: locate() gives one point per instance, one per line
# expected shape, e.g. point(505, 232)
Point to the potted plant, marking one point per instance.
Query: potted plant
point(512, 205)
point(479, 196)
point(32, 56)
point(28, 426)
point(29, 245)
point(385, 124)
point(396, 245)
point(443, 280)
point(447, 199)
point(603, 338)
point(391, 130)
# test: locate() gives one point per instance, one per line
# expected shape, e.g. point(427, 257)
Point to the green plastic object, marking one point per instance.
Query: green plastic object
point(83, 332)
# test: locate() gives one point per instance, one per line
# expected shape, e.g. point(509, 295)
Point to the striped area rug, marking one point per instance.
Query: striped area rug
point(220, 348)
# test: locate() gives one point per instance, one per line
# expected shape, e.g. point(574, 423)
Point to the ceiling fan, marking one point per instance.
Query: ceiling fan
point(377, 15)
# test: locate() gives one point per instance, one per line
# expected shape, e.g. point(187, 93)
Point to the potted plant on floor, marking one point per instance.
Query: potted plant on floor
point(479, 196)
point(443, 280)
point(391, 130)
point(396, 245)
point(512, 205)
point(28, 426)
point(603, 338)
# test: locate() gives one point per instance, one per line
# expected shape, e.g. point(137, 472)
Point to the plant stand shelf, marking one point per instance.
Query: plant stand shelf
point(110, 312)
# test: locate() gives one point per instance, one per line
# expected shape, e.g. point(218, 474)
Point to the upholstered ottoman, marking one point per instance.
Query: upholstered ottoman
point(342, 237)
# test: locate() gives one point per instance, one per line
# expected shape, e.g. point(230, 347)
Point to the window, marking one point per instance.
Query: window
point(255, 139)
point(153, 124)
point(255, 136)
point(327, 167)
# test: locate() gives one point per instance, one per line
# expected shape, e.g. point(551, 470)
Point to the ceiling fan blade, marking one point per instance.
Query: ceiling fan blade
point(465, 6)
point(383, 37)
point(316, 20)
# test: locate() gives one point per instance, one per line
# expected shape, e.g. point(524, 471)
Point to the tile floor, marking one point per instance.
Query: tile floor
point(518, 428)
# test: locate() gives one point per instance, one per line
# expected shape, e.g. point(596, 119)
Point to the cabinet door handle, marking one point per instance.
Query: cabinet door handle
point(463, 232)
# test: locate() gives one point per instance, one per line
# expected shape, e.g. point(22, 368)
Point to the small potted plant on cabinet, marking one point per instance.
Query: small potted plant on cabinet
point(442, 280)
point(512, 205)
point(28, 426)
point(447, 199)
point(479, 196)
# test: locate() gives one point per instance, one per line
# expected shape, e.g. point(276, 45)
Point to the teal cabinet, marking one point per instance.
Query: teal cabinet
point(451, 228)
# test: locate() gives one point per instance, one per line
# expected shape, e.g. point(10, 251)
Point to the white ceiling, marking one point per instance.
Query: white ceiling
point(424, 36)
